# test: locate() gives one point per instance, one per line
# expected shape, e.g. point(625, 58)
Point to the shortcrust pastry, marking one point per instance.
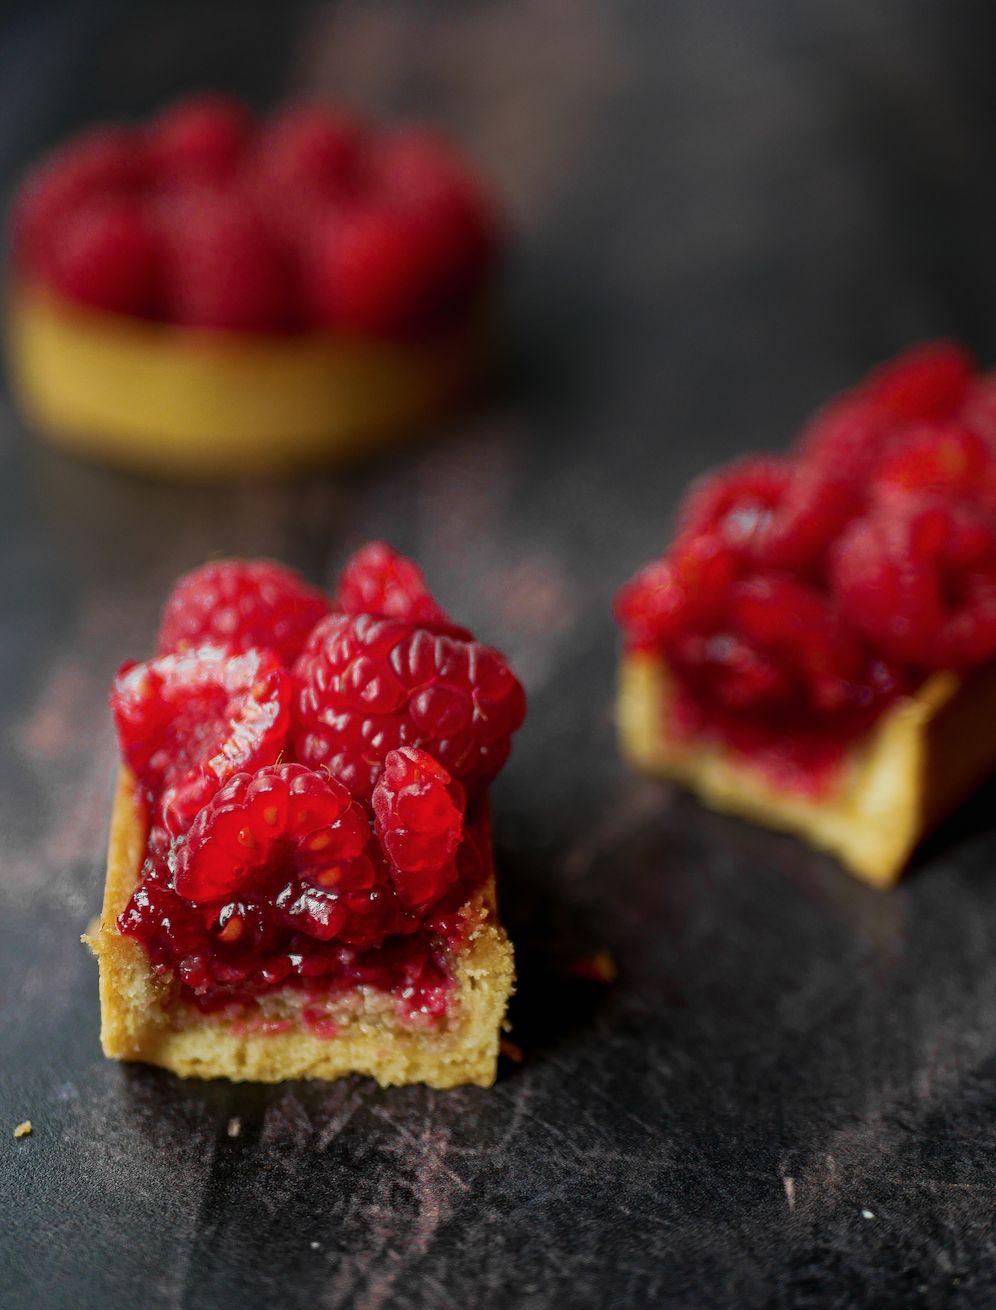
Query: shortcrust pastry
point(205, 296)
point(815, 649)
point(300, 880)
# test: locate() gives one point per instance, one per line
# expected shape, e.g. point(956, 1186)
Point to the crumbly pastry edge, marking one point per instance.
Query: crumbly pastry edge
point(921, 758)
point(139, 1015)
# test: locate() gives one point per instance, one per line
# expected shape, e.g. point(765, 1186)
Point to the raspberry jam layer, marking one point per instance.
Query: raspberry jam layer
point(258, 959)
point(804, 593)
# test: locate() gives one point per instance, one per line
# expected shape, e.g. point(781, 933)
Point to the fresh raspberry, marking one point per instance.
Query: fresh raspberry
point(241, 604)
point(418, 171)
point(918, 577)
point(410, 256)
point(220, 269)
point(262, 829)
point(101, 161)
point(379, 580)
point(188, 723)
point(200, 137)
point(669, 596)
point(929, 381)
point(978, 412)
point(419, 822)
point(780, 641)
point(367, 686)
point(104, 253)
point(304, 159)
point(935, 457)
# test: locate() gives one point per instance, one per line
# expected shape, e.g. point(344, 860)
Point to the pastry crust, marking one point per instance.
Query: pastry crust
point(176, 402)
point(922, 757)
point(142, 1019)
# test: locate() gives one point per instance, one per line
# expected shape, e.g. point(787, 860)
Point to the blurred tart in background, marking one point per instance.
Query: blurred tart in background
point(210, 296)
point(816, 650)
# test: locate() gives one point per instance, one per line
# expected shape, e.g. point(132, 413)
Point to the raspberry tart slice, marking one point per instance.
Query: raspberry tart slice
point(816, 650)
point(300, 881)
point(208, 296)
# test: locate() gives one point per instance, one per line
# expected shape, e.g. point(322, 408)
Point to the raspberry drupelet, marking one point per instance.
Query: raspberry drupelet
point(277, 915)
point(809, 599)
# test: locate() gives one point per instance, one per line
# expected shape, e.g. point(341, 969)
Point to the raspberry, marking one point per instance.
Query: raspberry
point(669, 596)
point(305, 158)
point(220, 269)
point(104, 253)
point(241, 604)
point(410, 256)
point(918, 577)
point(260, 830)
point(935, 457)
point(103, 160)
point(367, 686)
point(978, 411)
point(199, 136)
point(188, 723)
point(779, 641)
point(419, 819)
point(929, 381)
point(378, 580)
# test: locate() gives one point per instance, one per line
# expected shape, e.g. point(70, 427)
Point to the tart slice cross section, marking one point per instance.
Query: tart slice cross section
point(816, 650)
point(272, 917)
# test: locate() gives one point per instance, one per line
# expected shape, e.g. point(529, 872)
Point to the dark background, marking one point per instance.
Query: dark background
point(723, 211)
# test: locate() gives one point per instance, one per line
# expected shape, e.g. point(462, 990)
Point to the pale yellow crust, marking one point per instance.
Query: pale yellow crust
point(923, 756)
point(142, 1018)
point(177, 402)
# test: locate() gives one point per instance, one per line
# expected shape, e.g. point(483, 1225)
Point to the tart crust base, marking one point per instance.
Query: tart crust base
point(921, 759)
point(140, 1018)
point(176, 402)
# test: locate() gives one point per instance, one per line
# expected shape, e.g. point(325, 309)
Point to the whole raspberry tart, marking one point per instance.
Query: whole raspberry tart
point(300, 880)
point(205, 295)
point(816, 650)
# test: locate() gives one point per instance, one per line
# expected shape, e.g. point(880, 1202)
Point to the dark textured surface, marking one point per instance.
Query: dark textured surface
point(725, 210)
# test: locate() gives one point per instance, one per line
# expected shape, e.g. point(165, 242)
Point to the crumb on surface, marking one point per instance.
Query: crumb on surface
point(23, 1129)
point(511, 1050)
point(598, 967)
point(234, 1126)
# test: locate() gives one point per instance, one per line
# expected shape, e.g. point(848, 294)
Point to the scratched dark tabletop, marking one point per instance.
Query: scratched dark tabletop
point(723, 212)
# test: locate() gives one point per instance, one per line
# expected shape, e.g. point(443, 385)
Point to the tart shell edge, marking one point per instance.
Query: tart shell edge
point(920, 760)
point(204, 404)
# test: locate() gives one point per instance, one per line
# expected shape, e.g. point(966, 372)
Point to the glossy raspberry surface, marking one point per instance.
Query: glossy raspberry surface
point(366, 685)
point(802, 594)
point(302, 221)
point(282, 881)
point(379, 580)
point(241, 604)
point(188, 723)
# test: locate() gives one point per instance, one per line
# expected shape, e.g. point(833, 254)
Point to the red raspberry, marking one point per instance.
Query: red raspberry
point(410, 257)
point(918, 577)
point(241, 604)
point(669, 596)
point(105, 159)
point(220, 269)
point(935, 457)
point(188, 723)
point(978, 412)
point(929, 381)
point(303, 159)
point(420, 824)
point(367, 686)
point(104, 253)
point(264, 828)
point(379, 580)
point(779, 642)
point(199, 136)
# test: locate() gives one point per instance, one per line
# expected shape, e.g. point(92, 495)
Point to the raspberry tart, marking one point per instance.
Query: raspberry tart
point(815, 650)
point(300, 880)
point(207, 296)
